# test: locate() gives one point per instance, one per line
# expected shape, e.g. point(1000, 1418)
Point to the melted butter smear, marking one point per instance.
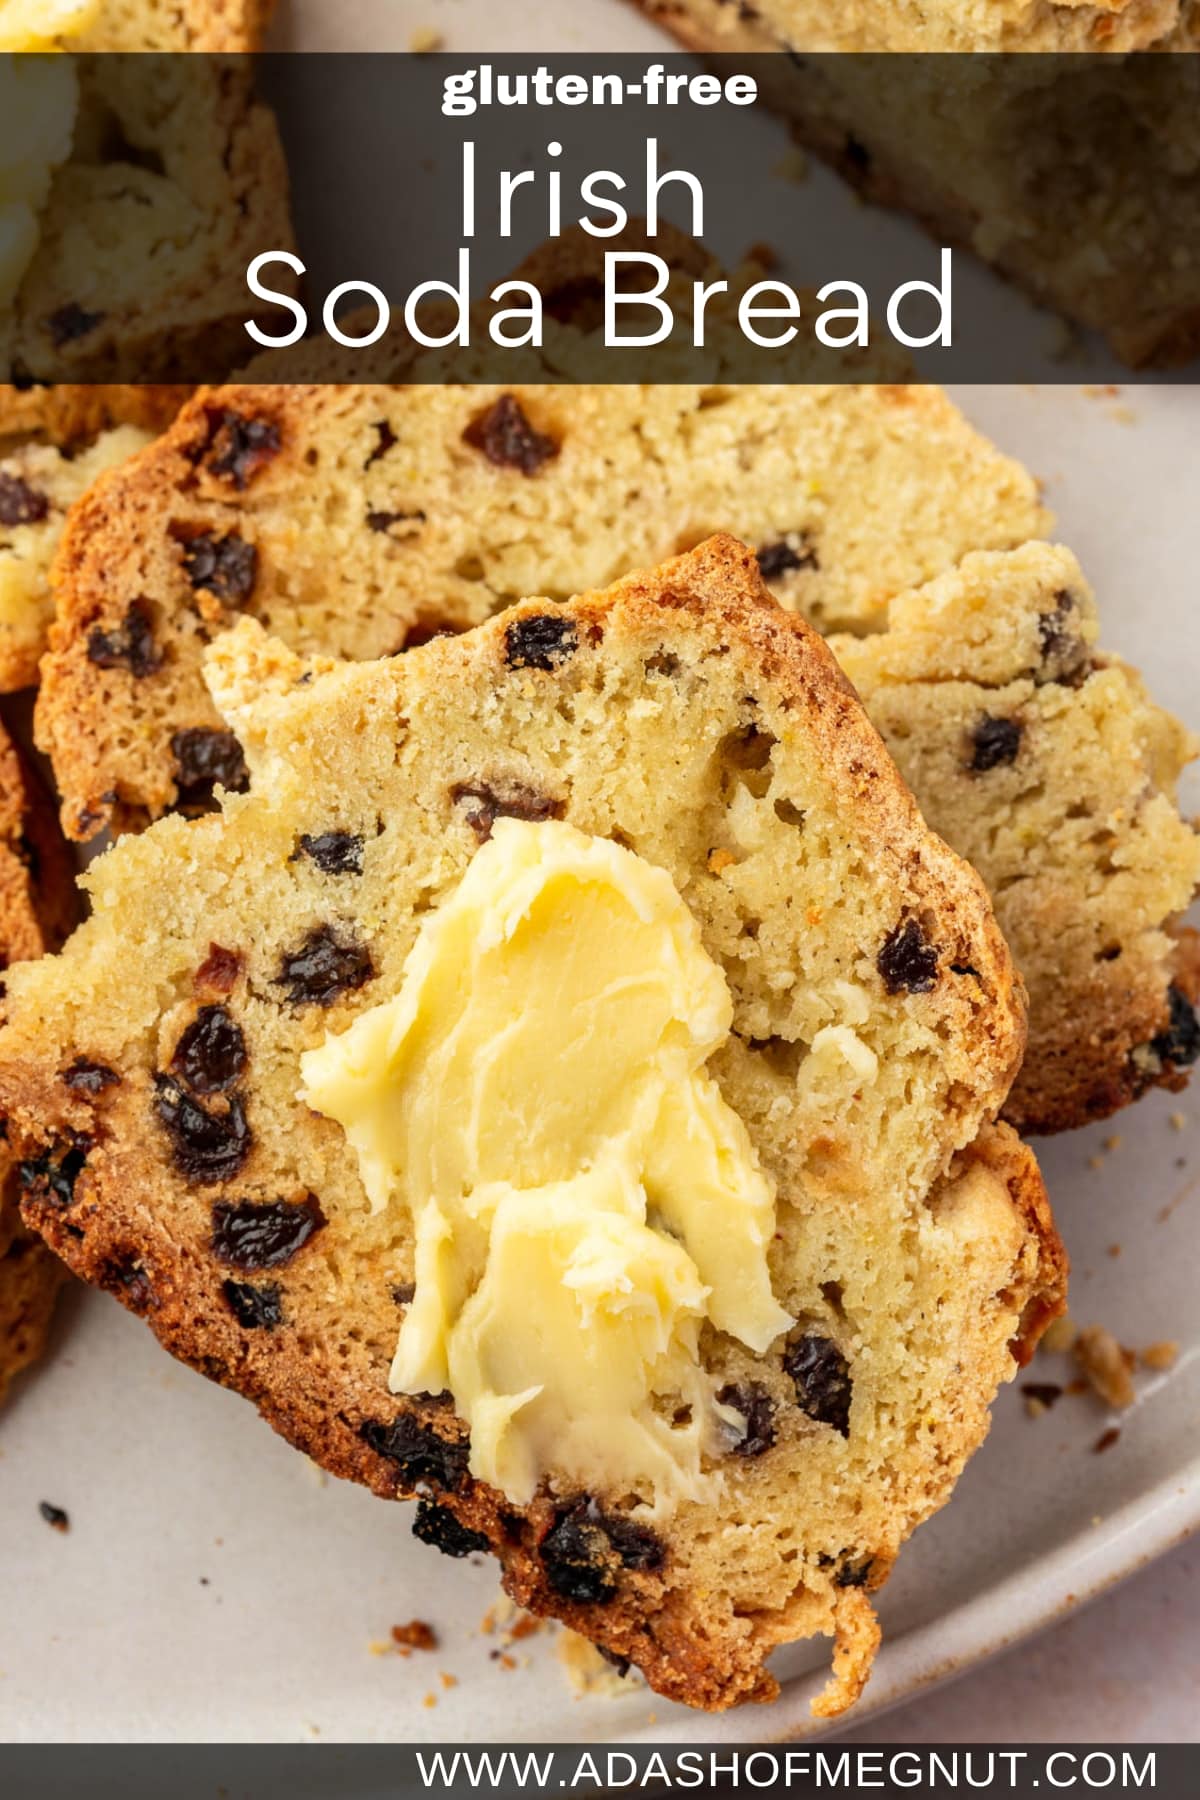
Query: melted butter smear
point(582, 1196)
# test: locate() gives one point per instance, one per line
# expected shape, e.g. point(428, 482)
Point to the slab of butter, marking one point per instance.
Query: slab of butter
point(45, 24)
point(582, 1196)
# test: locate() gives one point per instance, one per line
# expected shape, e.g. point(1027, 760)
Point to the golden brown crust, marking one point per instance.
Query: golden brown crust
point(37, 909)
point(218, 27)
point(1001, 1151)
point(68, 414)
point(1102, 1056)
point(227, 26)
point(700, 633)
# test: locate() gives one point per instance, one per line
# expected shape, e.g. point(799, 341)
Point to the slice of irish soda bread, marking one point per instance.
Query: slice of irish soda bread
point(561, 1088)
point(54, 442)
point(1046, 764)
point(38, 483)
point(356, 520)
point(37, 909)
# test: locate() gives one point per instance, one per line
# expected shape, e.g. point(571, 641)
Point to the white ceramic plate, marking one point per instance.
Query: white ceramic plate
point(214, 1587)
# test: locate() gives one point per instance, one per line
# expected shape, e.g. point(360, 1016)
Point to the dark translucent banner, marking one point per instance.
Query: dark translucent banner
point(621, 218)
point(389, 1772)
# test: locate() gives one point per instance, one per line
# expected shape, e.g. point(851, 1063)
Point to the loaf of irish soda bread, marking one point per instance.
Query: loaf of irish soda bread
point(561, 1087)
point(932, 25)
point(358, 520)
point(1075, 178)
point(1045, 763)
point(37, 909)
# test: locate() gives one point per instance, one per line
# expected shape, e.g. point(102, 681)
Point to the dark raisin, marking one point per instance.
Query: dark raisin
point(637, 1546)
point(578, 301)
point(577, 1558)
point(205, 759)
point(1044, 1392)
point(854, 1575)
point(1180, 1042)
point(211, 1054)
point(791, 552)
point(1054, 627)
point(1064, 652)
point(541, 641)
point(89, 817)
point(386, 439)
point(226, 567)
point(1106, 1440)
point(322, 968)
point(620, 1663)
point(334, 852)
point(219, 971)
point(20, 504)
point(907, 962)
point(425, 629)
point(756, 1406)
point(206, 1146)
point(129, 645)
point(51, 1178)
point(404, 1292)
point(54, 1515)
point(255, 1308)
point(994, 742)
point(30, 856)
point(421, 1456)
point(506, 437)
point(821, 1377)
point(505, 800)
point(239, 447)
point(383, 521)
point(577, 1553)
point(128, 1280)
point(438, 1527)
point(856, 155)
point(70, 322)
point(263, 1234)
point(89, 1077)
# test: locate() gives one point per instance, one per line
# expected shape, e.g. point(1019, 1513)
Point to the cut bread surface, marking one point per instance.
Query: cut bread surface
point(151, 1073)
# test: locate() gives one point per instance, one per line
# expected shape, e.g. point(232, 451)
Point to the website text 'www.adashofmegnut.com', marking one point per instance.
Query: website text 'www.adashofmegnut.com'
point(1049, 1768)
